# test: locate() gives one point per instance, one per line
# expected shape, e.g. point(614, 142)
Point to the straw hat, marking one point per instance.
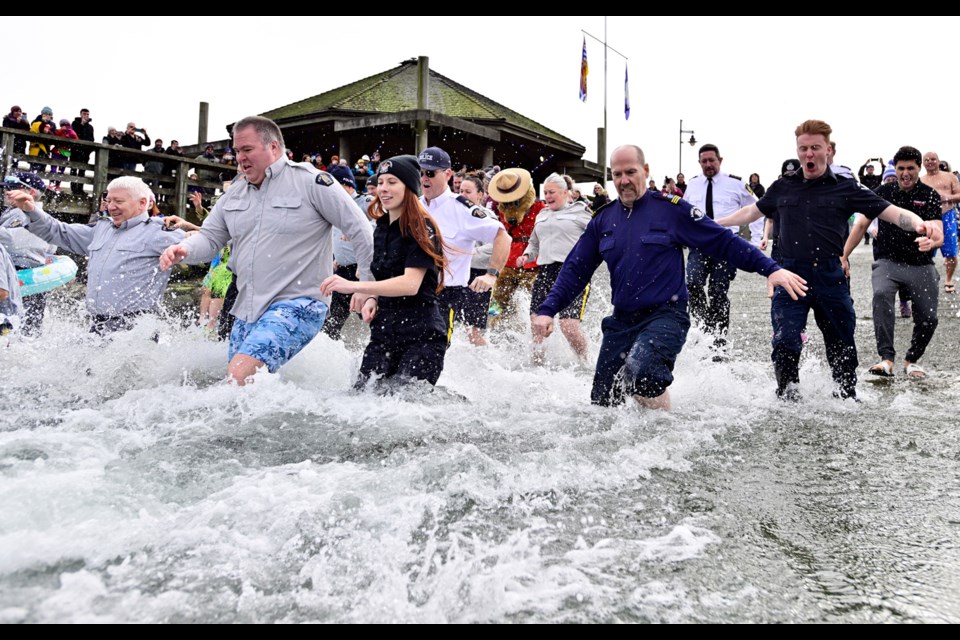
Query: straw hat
point(510, 185)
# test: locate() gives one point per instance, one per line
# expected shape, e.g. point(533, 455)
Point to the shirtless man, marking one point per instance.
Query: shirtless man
point(947, 185)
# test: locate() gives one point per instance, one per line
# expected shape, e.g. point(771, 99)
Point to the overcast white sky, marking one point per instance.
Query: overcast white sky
point(741, 83)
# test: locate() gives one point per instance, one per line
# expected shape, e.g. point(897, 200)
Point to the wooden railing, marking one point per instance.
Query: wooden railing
point(171, 190)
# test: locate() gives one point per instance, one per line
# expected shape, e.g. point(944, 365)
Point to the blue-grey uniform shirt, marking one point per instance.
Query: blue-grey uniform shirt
point(123, 275)
point(643, 249)
point(26, 250)
point(9, 282)
point(281, 234)
point(813, 214)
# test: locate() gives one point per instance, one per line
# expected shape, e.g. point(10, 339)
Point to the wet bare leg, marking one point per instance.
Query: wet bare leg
point(660, 403)
point(476, 337)
point(578, 342)
point(216, 306)
point(242, 368)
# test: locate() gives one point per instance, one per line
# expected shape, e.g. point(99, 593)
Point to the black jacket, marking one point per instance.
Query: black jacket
point(19, 144)
point(84, 131)
point(133, 142)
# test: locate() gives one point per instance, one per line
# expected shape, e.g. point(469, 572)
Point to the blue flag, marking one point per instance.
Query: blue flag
point(626, 93)
point(583, 72)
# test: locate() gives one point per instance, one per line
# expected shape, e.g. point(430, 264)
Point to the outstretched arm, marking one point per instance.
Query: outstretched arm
point(743, 216)
point(767, 230)
point(909, 221)
point(501, 251)
point(75, 238)
point(793, 284)
point(856, 235)
point(406, 285)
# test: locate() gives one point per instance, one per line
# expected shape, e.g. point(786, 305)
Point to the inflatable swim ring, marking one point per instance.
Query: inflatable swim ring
point(58, 271)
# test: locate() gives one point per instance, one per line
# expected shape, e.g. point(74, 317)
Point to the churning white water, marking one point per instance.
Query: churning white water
point(135, 486)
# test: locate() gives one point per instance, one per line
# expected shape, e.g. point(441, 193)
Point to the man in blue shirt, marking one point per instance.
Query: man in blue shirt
point(812, 207)
point(641, 238)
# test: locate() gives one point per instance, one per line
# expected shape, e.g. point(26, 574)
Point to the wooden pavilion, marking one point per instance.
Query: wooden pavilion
point(410, 107)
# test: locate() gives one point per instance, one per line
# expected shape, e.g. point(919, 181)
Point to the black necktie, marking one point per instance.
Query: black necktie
point(710, 198)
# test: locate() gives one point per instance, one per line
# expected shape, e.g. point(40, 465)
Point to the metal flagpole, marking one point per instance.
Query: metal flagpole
point(603, 162)
point(606, 49)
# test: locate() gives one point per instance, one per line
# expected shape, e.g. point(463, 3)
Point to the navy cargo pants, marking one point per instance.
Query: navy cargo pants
point(638, 352)
point(829, 297)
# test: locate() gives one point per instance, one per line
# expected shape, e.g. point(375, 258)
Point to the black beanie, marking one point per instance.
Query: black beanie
point(405, 168)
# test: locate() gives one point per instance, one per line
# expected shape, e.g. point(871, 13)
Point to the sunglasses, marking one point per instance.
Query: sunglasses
point(428, 173)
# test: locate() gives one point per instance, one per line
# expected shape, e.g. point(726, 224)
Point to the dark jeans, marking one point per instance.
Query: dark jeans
point(709, 301)
point(340, 303)
point(33, 309)
point(105, 325)
point(829, 297)
point(225, 321)
point(638, 352)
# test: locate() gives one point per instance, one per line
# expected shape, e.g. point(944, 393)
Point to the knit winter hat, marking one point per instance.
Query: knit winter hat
point(343, 175)
point(406, 168)
point(889, 172)
point(46, 111)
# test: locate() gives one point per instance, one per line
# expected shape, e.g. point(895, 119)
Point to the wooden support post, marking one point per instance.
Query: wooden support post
point(202, 124)
point(180, 189)
point(100, 177)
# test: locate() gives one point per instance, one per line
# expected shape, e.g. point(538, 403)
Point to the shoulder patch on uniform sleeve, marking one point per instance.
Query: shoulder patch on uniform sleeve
point(697, 214)
point(676, 199)
point(325, 179)
point(477, 212)
point(15, 224)
point(749, 190)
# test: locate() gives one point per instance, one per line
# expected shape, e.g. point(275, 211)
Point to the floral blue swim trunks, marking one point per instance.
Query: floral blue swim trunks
point(282, 332)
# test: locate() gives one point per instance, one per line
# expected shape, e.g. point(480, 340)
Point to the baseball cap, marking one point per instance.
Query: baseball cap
point(25, 177)
point(434, 158)
point(343, 175)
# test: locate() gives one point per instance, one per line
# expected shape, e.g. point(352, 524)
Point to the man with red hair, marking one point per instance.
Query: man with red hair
point(813, 206)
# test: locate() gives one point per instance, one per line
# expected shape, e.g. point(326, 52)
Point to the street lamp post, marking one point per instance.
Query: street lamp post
point(692, 141)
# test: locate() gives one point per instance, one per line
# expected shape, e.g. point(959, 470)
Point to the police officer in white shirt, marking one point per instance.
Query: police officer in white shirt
point(462, 224)
point(718, 195)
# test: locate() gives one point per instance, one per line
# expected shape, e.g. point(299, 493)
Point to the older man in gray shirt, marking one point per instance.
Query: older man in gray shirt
point(279, 215)
point(123, 278)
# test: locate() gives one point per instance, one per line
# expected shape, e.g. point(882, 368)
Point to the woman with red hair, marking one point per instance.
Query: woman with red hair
point(408, 335)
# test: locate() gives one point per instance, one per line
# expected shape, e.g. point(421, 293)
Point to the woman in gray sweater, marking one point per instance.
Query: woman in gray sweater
point(558, 228)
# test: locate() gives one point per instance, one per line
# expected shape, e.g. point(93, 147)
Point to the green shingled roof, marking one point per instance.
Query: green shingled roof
point(395, 90)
